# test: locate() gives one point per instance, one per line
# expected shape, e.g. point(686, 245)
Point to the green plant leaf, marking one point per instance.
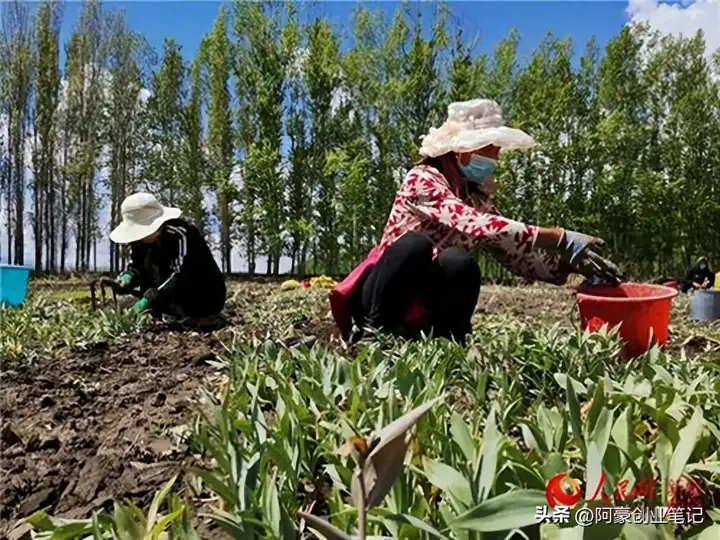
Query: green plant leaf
point(621, 432)
point(230, 523)
point(462, 436)
point(126, 526)
point(577, 386)
point(415, 522)
point(156, 502)
point(481, 391)
point(663, 455)
point(325, 528)
point(271, 505)
point(546, 426)
point(163, 523)
point(533, 438)
point(511, 510)
point(218, 486)
point(448, 479)
point(70, 531)
point(40, 521)
point(712, 467)
point(711, 533)
point(593, 473)
point(552, 465)
point(598, 404)
point(636, 531)
point(489, 452)
point(601, 434)
point(689, 436)
point(575, 418)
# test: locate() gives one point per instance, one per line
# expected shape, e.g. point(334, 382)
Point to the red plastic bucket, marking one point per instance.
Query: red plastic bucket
point(641, 310)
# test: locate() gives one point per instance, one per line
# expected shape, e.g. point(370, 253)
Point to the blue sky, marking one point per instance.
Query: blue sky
point(187, 21)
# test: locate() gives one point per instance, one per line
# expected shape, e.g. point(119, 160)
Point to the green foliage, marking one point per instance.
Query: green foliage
point(127, 522)
point(525, 404)
point(217, 55)
point(627, 150)
point(43, 325)
point(165, 123)
point(519, 404)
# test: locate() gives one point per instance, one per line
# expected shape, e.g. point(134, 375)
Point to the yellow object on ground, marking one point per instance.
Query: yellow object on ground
point(323, 282)
point(290, 285)
point(717, 281)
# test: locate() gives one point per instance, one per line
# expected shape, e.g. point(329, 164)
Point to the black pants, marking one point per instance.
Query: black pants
point(449, 287)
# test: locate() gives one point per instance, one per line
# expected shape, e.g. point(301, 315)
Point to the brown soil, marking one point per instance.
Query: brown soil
point(92, 426)
point(534, 303)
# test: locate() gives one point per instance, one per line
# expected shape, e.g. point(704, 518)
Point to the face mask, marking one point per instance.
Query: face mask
point(479, 169)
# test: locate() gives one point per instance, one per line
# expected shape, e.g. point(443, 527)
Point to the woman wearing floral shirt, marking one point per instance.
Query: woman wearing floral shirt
point(422, 277)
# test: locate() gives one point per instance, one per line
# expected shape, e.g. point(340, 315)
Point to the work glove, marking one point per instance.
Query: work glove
point(122, 283)
point(150, 296)
point(141, 305)
point(579, 251)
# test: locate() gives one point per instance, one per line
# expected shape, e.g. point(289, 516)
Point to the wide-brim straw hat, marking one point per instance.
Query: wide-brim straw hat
point(472, 125)
point(142, 215)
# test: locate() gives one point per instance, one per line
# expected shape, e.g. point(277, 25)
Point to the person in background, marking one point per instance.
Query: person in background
point(171, 269)
point(422, 269)
point(698, 277)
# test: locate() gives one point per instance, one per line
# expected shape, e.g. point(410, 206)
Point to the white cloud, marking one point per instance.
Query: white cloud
point(339, 96)
point(683, 19)
point(283, 169)
point(296, 70)
point(236, 176)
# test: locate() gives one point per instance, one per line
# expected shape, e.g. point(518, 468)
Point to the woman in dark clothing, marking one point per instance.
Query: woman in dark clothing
point(171, 267)
point(698, 277)
point(406, 269)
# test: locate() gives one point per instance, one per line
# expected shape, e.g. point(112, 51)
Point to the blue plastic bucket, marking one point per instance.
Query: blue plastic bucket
point(13, 284)
point(705, 305)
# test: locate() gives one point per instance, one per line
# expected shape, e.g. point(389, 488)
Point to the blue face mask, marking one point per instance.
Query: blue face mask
point(479, 169)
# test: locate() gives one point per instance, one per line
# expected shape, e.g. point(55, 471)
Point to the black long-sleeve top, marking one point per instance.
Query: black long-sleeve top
point(178, 269)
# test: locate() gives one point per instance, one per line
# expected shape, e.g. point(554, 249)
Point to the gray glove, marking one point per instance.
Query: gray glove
point(580, 252)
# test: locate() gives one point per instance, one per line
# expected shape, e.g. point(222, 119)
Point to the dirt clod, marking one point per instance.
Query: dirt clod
point(9, 437)
point(38, 500)
point(93, 431)
point(47, 401)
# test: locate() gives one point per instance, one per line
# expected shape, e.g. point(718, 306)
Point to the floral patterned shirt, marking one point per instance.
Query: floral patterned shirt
point(425, 203)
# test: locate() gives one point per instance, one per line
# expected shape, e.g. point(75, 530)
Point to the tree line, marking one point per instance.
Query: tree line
point(287, 144)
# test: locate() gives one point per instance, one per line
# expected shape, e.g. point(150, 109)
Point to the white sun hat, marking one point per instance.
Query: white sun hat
point(142, 215)
point(471, 125)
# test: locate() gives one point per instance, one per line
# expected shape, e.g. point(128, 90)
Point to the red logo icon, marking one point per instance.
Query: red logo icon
point(563, 490)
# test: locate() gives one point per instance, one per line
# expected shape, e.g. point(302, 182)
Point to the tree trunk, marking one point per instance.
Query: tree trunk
point(9, 215)
point(51, 206)
point(79, 227)
point(20, 205)
point(39, 210)
point(302, 263)
point(63, 209)
point(251, 250)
